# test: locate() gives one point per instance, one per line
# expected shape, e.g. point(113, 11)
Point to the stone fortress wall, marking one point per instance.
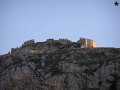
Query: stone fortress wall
point(62, 43)
point(87, 42)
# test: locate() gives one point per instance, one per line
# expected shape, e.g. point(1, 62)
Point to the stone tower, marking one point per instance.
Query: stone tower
point(87, 42)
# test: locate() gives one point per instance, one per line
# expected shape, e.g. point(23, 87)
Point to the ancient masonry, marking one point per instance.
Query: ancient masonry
point(64, 43)
point(61, 41)
point(87, 42)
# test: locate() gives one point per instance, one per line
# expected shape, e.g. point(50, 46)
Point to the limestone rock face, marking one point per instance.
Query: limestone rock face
point(64, 69)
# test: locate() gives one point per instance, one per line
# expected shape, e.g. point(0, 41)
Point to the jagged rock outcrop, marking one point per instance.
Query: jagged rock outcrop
point(42, 66)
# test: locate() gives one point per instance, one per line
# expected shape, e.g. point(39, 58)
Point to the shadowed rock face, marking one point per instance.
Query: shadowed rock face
point(64, 69)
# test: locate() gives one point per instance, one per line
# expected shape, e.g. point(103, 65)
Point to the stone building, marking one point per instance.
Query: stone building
point(87, 42)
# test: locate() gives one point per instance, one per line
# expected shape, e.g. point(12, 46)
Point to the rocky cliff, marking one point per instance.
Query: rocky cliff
point(46, 66)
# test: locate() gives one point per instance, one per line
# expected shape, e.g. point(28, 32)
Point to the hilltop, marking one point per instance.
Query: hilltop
point(60, 65)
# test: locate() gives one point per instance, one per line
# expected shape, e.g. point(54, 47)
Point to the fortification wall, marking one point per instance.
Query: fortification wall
point(87, 42)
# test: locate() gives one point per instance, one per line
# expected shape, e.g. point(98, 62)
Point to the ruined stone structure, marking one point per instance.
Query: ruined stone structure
point(61, 41)
point(87, 42)
point(64, 41)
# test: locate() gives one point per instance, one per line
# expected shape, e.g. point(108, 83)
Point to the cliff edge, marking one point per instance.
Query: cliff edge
point(46, 66)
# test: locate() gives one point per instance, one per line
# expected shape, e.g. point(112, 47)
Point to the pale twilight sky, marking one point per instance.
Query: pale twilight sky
point(22, 20)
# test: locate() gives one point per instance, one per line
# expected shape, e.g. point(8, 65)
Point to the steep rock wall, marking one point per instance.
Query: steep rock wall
point(66, 69)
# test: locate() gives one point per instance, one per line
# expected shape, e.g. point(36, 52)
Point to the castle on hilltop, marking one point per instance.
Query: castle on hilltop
point(83, 42)
point(52, 45)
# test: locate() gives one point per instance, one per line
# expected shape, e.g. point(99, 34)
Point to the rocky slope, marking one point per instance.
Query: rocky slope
point(42, 66)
